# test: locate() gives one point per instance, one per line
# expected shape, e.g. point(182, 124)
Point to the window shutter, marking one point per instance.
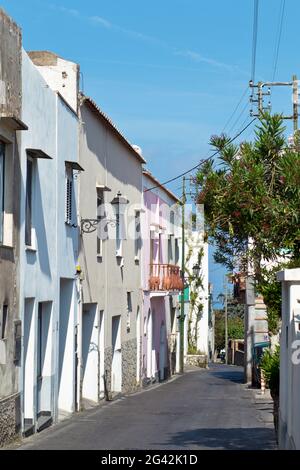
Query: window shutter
point(28, 220)
point(69, 187)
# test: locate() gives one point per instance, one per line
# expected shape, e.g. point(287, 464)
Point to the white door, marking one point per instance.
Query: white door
point(138, 345)
point(116, 370)
point(90, 352)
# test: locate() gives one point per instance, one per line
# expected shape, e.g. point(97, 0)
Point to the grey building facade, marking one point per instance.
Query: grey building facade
point(10, 185)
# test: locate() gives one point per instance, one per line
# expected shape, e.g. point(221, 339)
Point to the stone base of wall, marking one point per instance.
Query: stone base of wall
point(107, 372)
point(129, 366)
point(10, 419)
point(199, 360)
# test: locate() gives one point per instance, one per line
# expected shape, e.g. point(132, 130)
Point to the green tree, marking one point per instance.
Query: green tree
point(252, 192)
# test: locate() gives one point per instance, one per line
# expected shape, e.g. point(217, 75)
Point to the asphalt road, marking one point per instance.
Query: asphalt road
point(209, 409)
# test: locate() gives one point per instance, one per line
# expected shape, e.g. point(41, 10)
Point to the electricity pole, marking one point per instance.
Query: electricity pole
point(226, 320)
point(182, 315)
point(260, 98)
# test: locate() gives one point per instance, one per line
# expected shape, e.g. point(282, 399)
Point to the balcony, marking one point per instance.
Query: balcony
point(165, 277)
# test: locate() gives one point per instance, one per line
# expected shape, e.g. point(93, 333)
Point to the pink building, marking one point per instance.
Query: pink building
point(161, 281)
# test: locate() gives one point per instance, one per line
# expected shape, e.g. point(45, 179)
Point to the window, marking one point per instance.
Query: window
point(170, 249)
point(100, 216)
point(28, 210)
point(129, 309)
point(137, 234)
point(152, 242)
point(4, 331)
point(69, 193)
point(176, 251)
point(172, 221)
point(120, 231)
point(2, 179)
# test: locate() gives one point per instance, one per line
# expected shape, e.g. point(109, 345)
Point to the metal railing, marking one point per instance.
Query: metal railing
point(165, 277)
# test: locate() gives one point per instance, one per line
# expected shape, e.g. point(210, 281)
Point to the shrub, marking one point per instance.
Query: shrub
point(269, 363)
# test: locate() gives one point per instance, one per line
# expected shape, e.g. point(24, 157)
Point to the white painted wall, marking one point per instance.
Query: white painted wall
point(62, 77)
point(53, 128)
point(194, 242)
point(289, 410)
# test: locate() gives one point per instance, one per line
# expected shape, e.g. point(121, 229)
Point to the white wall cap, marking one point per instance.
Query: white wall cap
point(289, 275)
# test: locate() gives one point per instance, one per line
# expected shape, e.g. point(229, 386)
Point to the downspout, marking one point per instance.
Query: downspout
point(80, 278)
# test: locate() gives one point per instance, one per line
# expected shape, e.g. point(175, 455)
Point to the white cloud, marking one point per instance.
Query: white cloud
point(196, 57)
point(101, 21)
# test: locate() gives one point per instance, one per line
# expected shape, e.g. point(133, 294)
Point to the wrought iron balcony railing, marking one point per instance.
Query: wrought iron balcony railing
point(165, 277)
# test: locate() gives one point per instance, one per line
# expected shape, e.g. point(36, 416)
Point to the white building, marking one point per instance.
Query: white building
point(48, 250)
point(289, 404)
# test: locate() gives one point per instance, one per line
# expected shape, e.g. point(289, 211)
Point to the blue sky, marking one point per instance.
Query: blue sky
point(169, 73)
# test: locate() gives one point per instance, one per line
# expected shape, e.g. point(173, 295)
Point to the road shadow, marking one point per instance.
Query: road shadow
point(235, 375)
point(225, 439)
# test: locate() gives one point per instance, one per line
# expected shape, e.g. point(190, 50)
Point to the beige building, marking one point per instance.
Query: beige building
point(110, 256)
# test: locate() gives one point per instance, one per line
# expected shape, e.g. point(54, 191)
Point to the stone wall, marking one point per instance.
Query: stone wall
point(10, 423)
point(107, 372)
point(199, 360)
point(10, 70)
point(129, 366)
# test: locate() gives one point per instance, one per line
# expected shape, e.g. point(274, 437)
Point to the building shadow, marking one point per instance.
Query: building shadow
point(224, 439)
point(234, 374)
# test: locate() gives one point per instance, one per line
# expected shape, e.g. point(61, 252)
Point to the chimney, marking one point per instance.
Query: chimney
point(61, 75)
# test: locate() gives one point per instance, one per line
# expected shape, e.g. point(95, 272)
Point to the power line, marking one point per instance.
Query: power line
point(254, 39)
point(278, 38)
point(239, 116)
point(235, 109)
point(201, 162)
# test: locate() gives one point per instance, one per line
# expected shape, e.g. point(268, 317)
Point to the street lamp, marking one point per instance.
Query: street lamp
point(119, 203)
point(196, 270)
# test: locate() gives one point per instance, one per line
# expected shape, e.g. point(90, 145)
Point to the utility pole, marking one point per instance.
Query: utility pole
point(226, 320)
point(295, 102)
point(260, 98)
point(182, 315)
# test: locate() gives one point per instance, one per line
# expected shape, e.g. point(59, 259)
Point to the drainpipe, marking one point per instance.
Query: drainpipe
point(79, 348)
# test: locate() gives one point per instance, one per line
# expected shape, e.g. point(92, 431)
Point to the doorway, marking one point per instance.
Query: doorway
point(149, 344)
point(90, 352)
point(162, 351)
point(28, 375)
point(138, 345)
point(44, 365)
point(66, 351)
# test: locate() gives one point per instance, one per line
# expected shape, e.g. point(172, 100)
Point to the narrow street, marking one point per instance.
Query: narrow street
point(209, 409)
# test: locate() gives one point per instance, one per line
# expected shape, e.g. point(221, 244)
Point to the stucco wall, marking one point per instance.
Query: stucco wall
point(107, 279)
point(53, 129)
point(10, 66)
point(10, 105)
